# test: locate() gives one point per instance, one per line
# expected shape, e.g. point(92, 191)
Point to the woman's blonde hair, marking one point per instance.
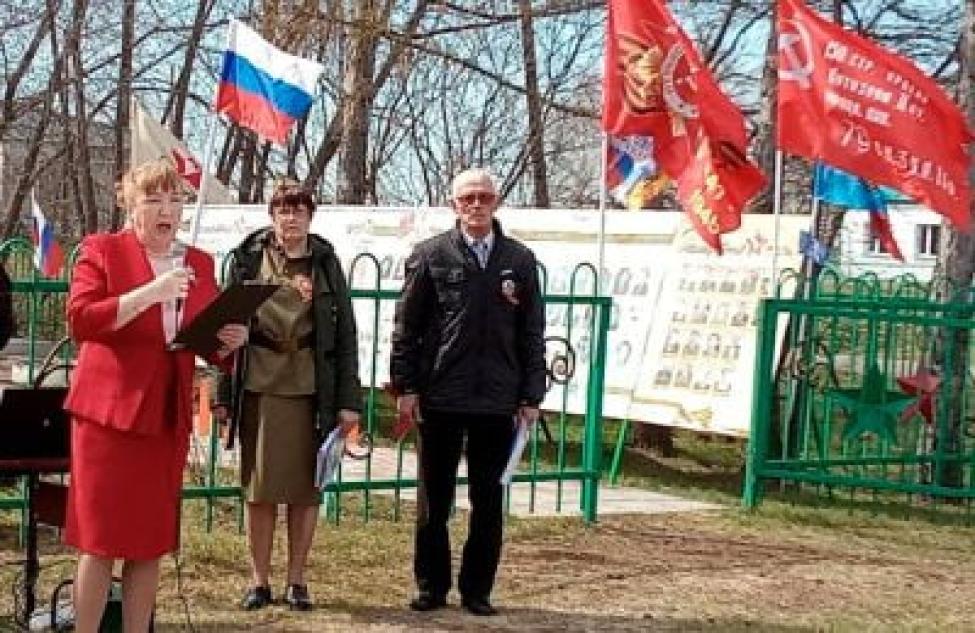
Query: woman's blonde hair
point(152, 177)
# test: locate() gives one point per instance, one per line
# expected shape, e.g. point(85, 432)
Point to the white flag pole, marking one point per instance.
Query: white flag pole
point(133, 113)
point(777, 212)
point(602, 209)
point(204, 178)
point(207, 153)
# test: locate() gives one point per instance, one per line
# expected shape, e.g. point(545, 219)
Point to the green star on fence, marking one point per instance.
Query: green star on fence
point(872, 408)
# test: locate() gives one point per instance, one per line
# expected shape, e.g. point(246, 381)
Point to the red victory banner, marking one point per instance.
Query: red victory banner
point(849, 102)
point(656, 85)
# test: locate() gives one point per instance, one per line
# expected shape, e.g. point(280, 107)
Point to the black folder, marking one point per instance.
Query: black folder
point(32, 423)
point(236, 304)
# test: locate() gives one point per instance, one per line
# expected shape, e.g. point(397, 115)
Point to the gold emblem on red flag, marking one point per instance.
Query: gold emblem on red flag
point(704, 198)
point(658, 80)
point(639, 64)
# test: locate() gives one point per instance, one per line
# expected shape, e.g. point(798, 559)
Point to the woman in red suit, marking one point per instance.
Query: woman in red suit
point(130, 397)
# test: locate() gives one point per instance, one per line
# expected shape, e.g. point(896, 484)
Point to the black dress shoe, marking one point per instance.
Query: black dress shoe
point(428, 602)
point(478, 606)
point(257, 598)
point(296, 597)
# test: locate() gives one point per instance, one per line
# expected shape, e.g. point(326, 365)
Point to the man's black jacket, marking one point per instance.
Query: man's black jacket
point(466, 339)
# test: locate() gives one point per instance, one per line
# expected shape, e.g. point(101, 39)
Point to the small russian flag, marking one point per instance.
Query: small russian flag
point(48, 256)
point(263, 88)
point(633, 178)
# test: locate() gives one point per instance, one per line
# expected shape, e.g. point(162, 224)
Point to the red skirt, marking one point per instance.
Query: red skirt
point(124, 493)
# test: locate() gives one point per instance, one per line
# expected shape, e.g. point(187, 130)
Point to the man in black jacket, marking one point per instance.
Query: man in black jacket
point(468, 359)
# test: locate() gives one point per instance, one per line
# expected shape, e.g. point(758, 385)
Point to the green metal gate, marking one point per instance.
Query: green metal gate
point(865, 384)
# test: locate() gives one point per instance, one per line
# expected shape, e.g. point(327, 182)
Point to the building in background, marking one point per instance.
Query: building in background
point(918, 231)
point(55, 172)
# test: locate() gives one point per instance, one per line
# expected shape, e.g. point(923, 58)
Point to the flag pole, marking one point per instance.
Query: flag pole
point(207, 153)
point(601, 244)
point(204, 180)
point(777, 212)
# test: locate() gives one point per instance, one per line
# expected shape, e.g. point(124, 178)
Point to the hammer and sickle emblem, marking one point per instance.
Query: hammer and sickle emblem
point(795, 45)
point(677, 78)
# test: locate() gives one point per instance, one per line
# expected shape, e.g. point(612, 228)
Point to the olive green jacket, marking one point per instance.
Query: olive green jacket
point(336, 346)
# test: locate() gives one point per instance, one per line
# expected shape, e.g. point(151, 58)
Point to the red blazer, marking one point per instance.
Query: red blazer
point(116, 382)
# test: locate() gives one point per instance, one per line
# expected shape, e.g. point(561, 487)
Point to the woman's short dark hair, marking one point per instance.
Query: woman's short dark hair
point(290, 193)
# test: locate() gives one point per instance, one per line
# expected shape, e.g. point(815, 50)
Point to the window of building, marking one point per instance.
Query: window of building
point(874, 247)
point(928, 240)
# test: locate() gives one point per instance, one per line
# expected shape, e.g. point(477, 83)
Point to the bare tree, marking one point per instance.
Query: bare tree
point(358, 96)
point(957, 261)
point(36, 137)
point(536, 134)
point(76, 72)
point(122, 113)
point(14, 79)
point(176, 105)
point(413, 90)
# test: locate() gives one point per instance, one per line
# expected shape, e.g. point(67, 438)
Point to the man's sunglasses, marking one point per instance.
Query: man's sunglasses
point(482, 197)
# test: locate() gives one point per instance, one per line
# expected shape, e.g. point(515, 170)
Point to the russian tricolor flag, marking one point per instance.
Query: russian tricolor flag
point(48, 257)
point(263, 88)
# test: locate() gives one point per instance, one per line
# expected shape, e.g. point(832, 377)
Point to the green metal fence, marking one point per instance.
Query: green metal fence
point(39, 303)
point(864, 385)
point(575, 455)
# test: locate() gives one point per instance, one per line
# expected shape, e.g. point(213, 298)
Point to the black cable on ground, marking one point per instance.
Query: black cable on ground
point(182, 596)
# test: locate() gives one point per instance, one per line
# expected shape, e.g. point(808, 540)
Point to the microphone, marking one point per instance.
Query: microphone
point(177, 255)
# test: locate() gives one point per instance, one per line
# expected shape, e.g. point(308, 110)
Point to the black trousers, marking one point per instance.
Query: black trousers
point(441, 440)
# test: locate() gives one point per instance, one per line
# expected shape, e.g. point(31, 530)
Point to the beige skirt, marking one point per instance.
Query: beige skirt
point(278, 445)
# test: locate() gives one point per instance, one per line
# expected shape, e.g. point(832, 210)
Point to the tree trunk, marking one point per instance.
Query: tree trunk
point(124, 95)
point(765, 127)
point(64, 94)
point(332, 139)
point(26, 178)
point(83, 157)
point(248, 152)
point(353, 185)
point(176, 106)
point(36, 141)
point(958, 256)
point(13, 79)
point(536, 133)
point(294, 148)
point(229, 154)
point(260, 170)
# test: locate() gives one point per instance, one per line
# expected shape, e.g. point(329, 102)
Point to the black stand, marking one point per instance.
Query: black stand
point(34, 440)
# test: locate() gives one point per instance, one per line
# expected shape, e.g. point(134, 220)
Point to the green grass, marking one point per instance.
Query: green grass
point(800, 562)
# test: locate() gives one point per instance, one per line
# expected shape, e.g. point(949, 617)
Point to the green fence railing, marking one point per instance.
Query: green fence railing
point(574, 455)
point(865, 385)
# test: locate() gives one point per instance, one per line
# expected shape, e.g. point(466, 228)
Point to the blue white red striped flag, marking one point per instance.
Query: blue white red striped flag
point(632, 176)
point(48, 256)
point(263, 88)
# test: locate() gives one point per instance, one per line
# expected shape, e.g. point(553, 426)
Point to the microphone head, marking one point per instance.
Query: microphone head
point(178, 250)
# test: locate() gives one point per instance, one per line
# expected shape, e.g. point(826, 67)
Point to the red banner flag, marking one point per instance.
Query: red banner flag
point(850, 103)
point(655, 84)
point(713, 188)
